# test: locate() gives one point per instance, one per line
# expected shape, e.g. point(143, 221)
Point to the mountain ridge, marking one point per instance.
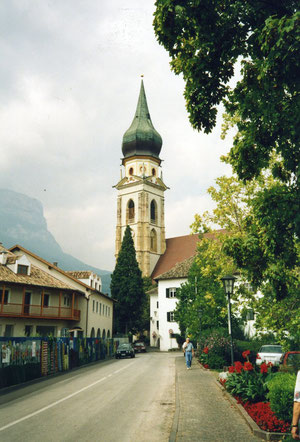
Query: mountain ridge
point(22, 222)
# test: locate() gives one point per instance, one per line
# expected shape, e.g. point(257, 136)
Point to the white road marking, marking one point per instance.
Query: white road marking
point(28, 416)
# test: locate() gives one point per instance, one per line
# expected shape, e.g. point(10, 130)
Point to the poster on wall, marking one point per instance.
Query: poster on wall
point(33, 349)
point(5, 354)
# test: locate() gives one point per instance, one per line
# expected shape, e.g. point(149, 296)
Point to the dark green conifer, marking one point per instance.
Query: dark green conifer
point(127, 288)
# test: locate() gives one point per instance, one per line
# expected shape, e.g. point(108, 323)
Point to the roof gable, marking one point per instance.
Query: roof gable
point(178, 249)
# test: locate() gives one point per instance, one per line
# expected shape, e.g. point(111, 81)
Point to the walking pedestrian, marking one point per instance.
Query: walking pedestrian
point(189, 353)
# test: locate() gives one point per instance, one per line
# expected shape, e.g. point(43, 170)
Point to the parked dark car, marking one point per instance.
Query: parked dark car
point(125, 351)
point(139, 347)
point(290, 361)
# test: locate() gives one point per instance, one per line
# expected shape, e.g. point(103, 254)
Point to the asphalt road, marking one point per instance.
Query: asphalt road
point(116, 400)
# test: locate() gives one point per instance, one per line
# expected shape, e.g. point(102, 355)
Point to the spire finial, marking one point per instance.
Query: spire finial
point(142, 76)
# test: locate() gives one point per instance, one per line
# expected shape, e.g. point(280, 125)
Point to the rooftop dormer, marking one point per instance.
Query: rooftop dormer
point(20, 265)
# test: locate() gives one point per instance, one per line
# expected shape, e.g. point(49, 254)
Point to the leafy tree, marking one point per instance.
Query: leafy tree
point(127, 288)
point(257, 261)
point(207, 40)
point(201, 300)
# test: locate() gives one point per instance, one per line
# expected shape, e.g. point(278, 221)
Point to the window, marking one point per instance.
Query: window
point(6, 296)
point(130, 211)
point(157, 325)
point(45, 330)
point(100, 305)
point(67, 301)
point(28, 330)
point(153, 241)
point(93, 305)
point(22, 270)
point(46, 300)
point(171, 292)
point(250, 314)
point(170, 317)
point(153, 172)
point(106, 311)
point(153, 211)
point(249, 287)
point(9, 331)
point(157, 304)
point(131, 171)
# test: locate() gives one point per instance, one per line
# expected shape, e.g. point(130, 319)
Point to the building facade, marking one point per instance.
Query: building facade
point(39, 298)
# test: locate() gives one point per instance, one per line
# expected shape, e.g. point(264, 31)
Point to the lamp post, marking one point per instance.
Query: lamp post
point(228, 282)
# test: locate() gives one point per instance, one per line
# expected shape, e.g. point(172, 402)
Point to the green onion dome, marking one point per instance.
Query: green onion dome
point(141, 138)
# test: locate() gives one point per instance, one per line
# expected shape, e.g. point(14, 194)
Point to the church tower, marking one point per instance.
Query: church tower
point(141, 189)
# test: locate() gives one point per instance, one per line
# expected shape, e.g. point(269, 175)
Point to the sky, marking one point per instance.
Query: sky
point(70, 74)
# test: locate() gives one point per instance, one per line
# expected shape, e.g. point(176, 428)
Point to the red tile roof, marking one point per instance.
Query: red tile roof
point(179, 249)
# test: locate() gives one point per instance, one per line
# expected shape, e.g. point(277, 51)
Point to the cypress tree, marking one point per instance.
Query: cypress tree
point(127, 288)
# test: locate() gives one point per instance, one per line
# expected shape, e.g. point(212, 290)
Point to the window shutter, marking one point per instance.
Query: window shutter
point(168, 316)
point(167, 293)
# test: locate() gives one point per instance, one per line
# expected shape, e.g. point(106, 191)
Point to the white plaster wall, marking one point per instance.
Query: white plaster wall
point(154, 315)
point(167, 305)
point(100, 320)
point(19, 325)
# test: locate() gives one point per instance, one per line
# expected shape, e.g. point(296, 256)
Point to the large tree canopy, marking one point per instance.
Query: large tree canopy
point(207, 41)
point(127, 287)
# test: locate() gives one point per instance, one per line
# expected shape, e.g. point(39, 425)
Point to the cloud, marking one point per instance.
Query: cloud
point(69, 83)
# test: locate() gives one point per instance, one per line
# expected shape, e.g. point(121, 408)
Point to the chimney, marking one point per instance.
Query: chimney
point(3, 257)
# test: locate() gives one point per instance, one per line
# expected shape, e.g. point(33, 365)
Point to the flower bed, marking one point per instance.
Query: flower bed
point(265, 418)
point(249, 386)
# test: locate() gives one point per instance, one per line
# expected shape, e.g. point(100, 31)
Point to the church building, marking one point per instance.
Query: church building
point(141, 190)
point(140, 205)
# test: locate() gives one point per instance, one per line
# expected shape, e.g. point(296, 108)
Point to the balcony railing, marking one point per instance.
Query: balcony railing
point(38, 311)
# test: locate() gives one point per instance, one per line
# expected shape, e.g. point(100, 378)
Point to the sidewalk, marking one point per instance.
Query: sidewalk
point(202, 412)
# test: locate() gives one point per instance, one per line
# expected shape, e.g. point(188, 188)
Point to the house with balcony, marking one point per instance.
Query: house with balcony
point(39, 298)
point(33, 302)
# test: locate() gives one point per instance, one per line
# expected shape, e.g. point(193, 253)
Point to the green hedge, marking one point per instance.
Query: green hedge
point(281, 395)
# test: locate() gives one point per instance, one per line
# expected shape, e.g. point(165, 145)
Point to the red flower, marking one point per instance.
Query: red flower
point(231, 369)
point(238, 366)
point(245, 354)
point(205, 350)
point(248, 366)
point(264, 368)
point(206, 366)
point(262, 414)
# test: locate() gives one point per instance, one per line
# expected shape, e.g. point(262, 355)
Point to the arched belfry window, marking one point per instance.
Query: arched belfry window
point(130, 212)
point(153, 211)
point(153, 241)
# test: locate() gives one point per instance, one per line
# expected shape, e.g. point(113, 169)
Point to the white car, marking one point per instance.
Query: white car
point(269, 353)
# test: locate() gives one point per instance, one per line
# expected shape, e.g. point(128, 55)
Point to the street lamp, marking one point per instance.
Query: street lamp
point(228, 282)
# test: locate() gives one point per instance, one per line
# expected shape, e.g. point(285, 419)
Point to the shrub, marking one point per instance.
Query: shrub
point(281, 395)
point(218, 344)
